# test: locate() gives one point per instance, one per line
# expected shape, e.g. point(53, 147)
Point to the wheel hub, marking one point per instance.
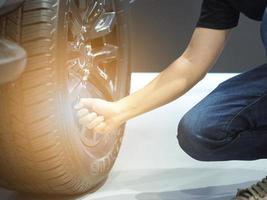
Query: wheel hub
point(86, 23)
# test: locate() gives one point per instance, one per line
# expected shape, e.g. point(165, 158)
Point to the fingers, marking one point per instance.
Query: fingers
point(87, 119)
point(100, 128)
point(83, 112)
point(84, 102)
point(79, 105)
point(90, 120)
point(95, 122)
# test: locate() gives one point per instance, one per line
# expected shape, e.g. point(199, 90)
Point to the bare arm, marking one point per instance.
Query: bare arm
point(200, 55)
point(204, 48)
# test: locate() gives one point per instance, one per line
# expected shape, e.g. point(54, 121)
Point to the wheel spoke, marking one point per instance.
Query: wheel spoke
point(74, 76)
point(75, 12)
point(107, 52)
point(76, 19)
point(73, 52)
point(102, 26)
point(105, 23)
point(83, 4)
point(88, 58)
point(74, 83)
point(92, 13)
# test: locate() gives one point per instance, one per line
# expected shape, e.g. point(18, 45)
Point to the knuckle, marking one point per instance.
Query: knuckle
point(91, 117)
point(82, 112)
point(93, 114)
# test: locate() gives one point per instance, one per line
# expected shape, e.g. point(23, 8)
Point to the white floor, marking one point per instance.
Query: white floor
point(151, 165)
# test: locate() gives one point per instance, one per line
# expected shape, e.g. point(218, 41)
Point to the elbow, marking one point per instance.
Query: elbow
point(190, 71)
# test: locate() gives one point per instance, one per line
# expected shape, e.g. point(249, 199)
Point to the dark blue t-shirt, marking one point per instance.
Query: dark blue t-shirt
point(224, 14)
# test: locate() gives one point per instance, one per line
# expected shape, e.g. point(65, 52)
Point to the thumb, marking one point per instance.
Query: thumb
point(84, 102)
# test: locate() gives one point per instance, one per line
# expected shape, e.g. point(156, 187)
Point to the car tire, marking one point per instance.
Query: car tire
point(43, 148)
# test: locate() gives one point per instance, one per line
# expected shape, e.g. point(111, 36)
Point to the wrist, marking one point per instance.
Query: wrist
point(123, 110)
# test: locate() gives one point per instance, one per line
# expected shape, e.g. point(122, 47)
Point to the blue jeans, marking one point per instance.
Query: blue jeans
point(231, 122)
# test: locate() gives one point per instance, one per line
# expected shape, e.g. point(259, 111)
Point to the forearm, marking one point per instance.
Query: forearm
point(170, 84)
point(204, 48)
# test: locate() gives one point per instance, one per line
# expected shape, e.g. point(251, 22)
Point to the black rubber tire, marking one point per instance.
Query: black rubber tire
point(40, 144)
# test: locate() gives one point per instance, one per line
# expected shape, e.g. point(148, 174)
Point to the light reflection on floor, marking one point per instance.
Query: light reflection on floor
point(167, 184)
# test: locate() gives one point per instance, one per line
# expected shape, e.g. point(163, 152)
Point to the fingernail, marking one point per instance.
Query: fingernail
point(82, 112)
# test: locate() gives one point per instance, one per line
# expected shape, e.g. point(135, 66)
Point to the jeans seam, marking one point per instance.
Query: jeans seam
point(228, 123)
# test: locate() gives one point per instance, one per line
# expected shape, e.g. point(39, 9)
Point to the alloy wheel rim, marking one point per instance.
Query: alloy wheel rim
point(85, 61)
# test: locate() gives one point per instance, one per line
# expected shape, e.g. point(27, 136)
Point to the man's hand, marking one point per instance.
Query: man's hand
point(98, 115)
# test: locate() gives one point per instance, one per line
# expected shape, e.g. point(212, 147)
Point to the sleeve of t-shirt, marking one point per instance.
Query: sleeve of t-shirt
point(218, 14)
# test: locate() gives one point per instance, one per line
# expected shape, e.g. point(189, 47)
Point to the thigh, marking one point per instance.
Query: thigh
point(236, 105)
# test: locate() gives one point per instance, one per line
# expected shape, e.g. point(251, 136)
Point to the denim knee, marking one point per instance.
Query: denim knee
point(187, 138)
point(200, 137)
